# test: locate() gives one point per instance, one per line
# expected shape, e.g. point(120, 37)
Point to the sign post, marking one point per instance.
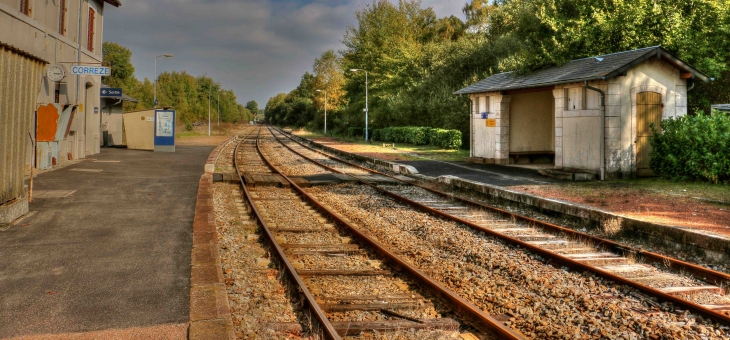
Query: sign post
point(164, 130)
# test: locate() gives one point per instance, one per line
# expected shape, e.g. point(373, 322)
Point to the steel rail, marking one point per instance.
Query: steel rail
point(705, 274)
point(547, 254)
point(329, 330)
point(466, 309)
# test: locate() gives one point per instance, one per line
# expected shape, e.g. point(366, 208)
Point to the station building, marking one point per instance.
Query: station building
point(589, 116)
point(39, 99)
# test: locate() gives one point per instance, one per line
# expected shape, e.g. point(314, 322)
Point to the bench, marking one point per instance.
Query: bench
point(532, 156)
point(389, 145)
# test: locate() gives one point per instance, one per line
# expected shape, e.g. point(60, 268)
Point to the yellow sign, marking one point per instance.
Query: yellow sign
point(81, 107)
point(491, 122)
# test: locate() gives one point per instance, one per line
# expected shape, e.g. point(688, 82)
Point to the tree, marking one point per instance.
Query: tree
point(119, 58)
point(252, 106)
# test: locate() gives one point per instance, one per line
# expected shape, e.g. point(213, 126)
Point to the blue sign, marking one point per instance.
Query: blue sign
point(485, 115)
point(111, 92)
point(165, 130)
point(90, 71)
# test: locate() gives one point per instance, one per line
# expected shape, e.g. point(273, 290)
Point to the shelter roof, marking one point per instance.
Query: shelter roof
point(601, 67)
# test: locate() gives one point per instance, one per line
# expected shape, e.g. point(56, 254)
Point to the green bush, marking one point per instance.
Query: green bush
point(376, 135)
point(448, 139)
point(188, 126)
point(692, 148)
point(354, 132)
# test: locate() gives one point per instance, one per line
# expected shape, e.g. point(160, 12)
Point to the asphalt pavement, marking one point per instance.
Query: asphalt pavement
point(113, 253)
point(498, 175)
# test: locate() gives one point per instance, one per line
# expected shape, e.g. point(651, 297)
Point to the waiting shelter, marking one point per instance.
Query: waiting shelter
point(591, 115)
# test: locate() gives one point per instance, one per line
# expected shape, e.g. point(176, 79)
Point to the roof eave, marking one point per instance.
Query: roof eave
point(115, 3)
point(552, 83)
point(660, 53)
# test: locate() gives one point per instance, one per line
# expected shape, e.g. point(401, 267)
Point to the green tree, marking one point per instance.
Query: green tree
point(119, 58)
point(252, 106)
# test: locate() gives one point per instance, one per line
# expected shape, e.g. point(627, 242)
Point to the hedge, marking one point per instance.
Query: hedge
point(692, 148)
point(448, 139)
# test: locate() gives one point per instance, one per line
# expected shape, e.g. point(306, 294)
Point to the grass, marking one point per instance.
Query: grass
point(705, 191)
point(407, 151)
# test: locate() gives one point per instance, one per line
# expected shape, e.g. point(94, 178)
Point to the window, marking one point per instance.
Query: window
point(483, 105)
point(575, 98)
point(62, 17)
point(92, 22)
point(25, 7)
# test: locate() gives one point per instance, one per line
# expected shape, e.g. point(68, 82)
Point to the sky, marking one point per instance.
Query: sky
point(258, 48)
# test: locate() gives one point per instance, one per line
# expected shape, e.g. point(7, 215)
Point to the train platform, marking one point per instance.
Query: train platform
point(105, 251)
point(499, 175)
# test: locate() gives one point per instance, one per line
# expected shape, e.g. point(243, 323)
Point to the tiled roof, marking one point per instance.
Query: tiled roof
point(115, 3)
point(600, 67)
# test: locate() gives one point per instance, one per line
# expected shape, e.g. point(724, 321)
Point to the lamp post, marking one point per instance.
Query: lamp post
point(219, 109)
point(161, 55)
point(366, 99)
point(209, 93)
point(325, 111)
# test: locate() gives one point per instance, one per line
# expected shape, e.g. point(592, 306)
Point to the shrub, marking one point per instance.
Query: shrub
point(355, 132)
point(449, 139)
point(188, 126)
point(376, 135)
point(692, 148)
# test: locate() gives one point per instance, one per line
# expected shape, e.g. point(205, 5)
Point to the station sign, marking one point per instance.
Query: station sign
point(79, 70)
point(110, 92)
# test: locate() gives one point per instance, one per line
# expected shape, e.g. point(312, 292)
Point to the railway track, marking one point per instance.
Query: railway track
point(660, 288)
point(352, 285)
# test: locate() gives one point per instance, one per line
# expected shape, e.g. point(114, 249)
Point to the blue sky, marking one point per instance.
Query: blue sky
point(257, 48)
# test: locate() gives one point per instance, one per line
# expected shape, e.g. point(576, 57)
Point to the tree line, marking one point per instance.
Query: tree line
point(189, 95)
point(415, 60)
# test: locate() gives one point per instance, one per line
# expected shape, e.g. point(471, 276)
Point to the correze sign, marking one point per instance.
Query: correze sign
point(90, 71)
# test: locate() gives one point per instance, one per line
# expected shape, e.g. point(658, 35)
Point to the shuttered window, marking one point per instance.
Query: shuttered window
point(62, 17)
point(483, 104)
point(25, 7)
point(575, 98)
point(92, 25)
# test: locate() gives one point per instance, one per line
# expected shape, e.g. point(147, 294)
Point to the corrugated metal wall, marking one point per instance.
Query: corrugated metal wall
point(20, 81)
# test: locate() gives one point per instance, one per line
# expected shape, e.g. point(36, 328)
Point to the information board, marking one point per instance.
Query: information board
point(165, 130)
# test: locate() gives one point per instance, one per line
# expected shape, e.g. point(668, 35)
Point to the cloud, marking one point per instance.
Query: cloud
point(258, 48)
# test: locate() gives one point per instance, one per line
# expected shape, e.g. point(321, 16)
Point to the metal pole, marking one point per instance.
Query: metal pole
point(325, 112)
point(366, 106)
point(211, 88)
point(219, 110)
point(154, 103)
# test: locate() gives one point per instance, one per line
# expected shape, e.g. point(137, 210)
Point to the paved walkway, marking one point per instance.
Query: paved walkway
point(499, 175)
point(108, 247)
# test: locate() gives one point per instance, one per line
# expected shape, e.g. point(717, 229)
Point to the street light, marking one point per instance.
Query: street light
point(366, 99)
point(161, 55)
point(325, 110)
point(210, 91)
point(219, 109)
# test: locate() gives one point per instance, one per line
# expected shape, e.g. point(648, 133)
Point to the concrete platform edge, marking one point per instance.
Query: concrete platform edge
point(14, 210)
point(711, 246)
point(210, 315)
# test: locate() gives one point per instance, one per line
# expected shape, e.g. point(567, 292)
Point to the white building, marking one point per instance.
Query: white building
point(590, 115)
point(40, 41)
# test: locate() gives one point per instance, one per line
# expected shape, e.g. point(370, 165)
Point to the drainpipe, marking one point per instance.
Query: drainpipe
point(603, 127)
point(471, 127)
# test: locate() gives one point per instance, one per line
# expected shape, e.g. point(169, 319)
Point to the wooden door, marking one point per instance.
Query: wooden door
point(648, 111)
